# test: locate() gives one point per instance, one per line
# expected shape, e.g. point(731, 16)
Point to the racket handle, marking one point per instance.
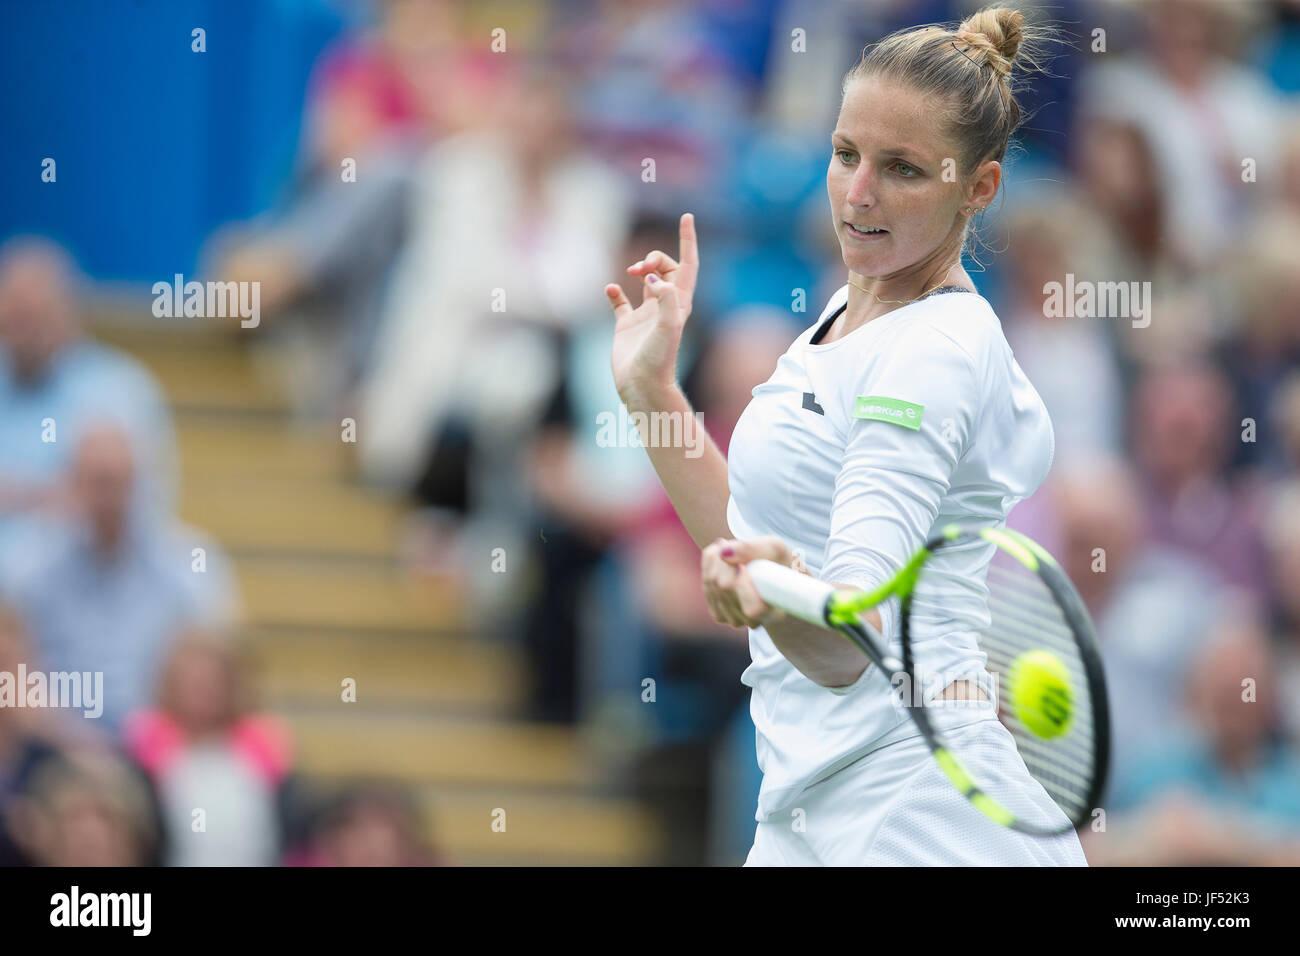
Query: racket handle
point(785, 588)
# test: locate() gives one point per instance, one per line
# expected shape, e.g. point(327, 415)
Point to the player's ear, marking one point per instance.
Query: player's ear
point(984, 184)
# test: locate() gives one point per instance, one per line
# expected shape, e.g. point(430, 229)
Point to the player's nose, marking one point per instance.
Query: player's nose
point(862, 188)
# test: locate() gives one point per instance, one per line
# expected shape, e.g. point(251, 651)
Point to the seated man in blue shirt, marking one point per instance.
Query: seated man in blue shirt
point(106, 589)
point(1229, 792)
point(54, 380)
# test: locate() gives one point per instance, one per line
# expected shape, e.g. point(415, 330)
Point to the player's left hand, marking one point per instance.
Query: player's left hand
point(731, 594)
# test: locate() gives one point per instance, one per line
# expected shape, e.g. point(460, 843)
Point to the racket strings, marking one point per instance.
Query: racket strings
point(1025, 616)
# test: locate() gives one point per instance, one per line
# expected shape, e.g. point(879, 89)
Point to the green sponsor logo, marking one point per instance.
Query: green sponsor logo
point(892, 410)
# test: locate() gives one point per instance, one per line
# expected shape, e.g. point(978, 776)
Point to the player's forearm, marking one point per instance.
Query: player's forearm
point(690, 466)
point(825, 657)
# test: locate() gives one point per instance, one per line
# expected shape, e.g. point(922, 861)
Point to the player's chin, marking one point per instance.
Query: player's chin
point(874, 262)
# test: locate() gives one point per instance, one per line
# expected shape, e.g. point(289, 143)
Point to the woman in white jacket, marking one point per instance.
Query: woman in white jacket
point(900, 410)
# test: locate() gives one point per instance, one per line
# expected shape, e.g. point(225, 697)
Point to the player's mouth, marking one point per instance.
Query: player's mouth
point(867, 233)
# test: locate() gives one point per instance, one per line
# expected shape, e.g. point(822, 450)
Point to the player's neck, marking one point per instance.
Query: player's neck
point(871, 297)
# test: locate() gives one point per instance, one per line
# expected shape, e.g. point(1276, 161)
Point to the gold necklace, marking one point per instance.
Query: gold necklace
point(901, 301)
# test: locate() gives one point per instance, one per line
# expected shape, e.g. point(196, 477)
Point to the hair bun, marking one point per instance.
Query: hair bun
point(1001, 28)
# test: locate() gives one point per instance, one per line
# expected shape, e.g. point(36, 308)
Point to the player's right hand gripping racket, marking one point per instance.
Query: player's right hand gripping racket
point(1041, 651)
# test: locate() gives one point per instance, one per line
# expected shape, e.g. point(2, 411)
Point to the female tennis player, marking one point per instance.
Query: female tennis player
point(899, 411)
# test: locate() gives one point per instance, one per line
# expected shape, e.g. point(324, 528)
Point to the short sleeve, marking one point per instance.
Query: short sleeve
point(913, 414)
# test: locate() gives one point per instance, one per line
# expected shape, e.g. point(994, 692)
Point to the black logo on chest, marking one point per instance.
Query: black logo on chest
point(810, 403)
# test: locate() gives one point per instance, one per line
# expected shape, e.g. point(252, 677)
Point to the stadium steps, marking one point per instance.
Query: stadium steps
point(219, 446)
point(419, 748)
point(348, 594)
point(325, 599)
point(305, 667)
point(291, 516)
point(199, 364)
point(539, 828)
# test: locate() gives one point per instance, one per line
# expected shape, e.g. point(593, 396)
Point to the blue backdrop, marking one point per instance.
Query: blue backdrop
point(155, 145)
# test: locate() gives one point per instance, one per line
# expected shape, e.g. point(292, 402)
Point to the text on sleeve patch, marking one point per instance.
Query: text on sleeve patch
point(893, 410)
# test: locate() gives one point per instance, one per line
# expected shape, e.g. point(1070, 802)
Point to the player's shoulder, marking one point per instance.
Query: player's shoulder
point(963, 322)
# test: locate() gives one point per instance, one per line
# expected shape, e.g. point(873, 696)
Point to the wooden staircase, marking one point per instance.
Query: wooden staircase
point(325, 599)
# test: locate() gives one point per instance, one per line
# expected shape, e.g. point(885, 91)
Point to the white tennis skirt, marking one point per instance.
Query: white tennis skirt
point(895, 807)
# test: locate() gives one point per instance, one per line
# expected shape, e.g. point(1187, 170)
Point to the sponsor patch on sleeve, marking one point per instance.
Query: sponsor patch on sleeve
point(877, 408)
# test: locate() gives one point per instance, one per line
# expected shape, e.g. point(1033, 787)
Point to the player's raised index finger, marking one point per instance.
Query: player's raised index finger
point(688, 251)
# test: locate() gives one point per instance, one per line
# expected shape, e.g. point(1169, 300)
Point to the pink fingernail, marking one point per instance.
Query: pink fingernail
point(728, 552)
point(652, 278)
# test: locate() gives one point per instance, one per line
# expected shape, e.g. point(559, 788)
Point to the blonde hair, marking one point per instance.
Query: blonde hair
point(100, 777)
point(968, 70)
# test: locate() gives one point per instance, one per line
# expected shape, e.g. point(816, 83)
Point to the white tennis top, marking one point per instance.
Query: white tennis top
point(855, 452)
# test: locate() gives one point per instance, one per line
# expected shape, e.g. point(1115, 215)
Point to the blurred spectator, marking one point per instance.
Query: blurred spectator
point(327, 250)
point(23, 739)
point(1283, 537)
point(1286, 419)
point(586, 491)
point(424, 65)
point(1230, 795)
point(108, 588)
point(1200, 112)
point(694, 140)
point(1286, 186)
point(1059, 352)
point(55, 380)
point(1264, 348)
point(515, 231)
point(1183, 432)
point(88, 808)
point(1152, 607)
point(691, 100)
point(369, 824)
point(362, 91)
point(1119, 181)
point(206, 752)
point(375, 102)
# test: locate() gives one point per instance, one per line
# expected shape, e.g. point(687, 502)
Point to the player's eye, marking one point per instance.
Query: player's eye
point(844, 152)
point(906, 170)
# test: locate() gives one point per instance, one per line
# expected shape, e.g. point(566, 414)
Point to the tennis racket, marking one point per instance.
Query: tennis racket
point(1041, 653)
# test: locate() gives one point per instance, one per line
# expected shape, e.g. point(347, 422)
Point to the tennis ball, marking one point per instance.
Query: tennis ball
point(1039, 687)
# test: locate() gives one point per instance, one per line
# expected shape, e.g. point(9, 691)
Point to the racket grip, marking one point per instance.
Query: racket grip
point(785, 588)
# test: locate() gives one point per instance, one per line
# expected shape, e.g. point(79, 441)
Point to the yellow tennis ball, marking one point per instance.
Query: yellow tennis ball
point(1039, 687)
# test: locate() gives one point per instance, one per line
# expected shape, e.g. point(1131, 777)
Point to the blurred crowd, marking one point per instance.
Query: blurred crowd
point(449, 296)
